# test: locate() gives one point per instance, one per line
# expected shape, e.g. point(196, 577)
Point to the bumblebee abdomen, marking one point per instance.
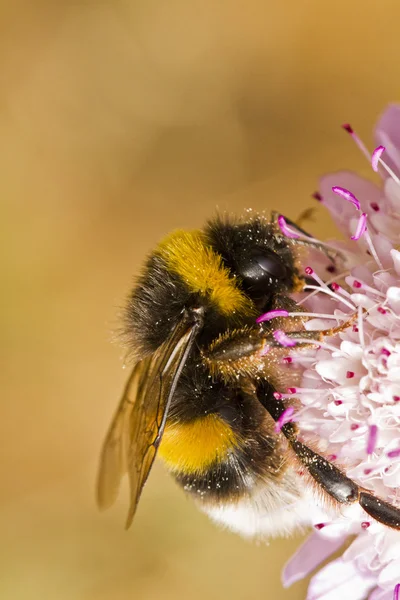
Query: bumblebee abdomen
point(219, 441)
point(193, 447)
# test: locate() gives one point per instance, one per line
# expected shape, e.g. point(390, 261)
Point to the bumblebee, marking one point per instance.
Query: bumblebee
point(203, 389)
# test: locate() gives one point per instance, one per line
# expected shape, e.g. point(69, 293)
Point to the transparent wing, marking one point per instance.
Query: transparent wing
point(135, 433)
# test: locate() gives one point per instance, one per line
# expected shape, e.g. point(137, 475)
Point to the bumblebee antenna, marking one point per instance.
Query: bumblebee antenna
point(329, 477)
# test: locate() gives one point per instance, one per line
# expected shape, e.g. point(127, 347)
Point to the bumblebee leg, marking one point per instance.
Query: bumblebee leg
point(381, 511)
point(319, 334)
point(245, 343)
point(329, 477)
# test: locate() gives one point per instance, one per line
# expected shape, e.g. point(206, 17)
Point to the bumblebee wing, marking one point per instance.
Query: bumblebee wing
point(113, 460)
point(135, 433)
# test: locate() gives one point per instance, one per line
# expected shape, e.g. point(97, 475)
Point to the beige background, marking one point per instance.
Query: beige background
point(118, 122)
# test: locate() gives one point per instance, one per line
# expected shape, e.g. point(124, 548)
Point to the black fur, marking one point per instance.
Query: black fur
point(259, 458)
point(156, 306)
point(241, 243)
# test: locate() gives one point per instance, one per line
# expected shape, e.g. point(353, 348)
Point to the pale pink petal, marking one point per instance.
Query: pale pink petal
point(340, 579)
point(310, 554)
point(393, 296)
point(395, 254)
point(383, 248)
point(350, 386)
point(387, 133)
point(390, 575)
point(380, 594)
point(392, 193)
point(342, 211)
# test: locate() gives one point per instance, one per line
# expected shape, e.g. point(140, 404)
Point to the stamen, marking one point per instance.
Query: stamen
point(372, 249)
point(361, 284)
point(286, 230)
point(338, 288)
point(365, 525)
point(376, 157)
point(391, 173)
point(393, 453)
point(317, 196)
point(366, 153)
point(319, 526)
point(361, 227)
point(291, 233)
point(285, 417)
point(299, 390)
point(330, 293)
point(303, 359)
point(350, 374)
point(272, 314)
point(347, 195)
point(347, 127)
point(396, 592)
point(283, 339)
point(310, 271)
point(372, 438)
point(317, 289)
point(357, 140)
point(360, 328)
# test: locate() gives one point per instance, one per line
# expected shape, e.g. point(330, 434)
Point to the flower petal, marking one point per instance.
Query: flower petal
point(311, 553)
point(387, 133)
point(380, 594)
point(390, 575)
point(343, 212)
point(340, 579)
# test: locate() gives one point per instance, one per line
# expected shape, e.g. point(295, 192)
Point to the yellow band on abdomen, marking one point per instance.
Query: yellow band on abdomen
point(192, 447)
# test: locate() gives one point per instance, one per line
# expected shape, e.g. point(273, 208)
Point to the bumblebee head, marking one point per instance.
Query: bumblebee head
point(257, 254)
point(233, 269)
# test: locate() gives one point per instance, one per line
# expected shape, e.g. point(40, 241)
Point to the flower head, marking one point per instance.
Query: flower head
point(351, 382)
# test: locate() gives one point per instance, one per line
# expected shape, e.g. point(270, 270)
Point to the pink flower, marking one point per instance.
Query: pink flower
point(356, 374)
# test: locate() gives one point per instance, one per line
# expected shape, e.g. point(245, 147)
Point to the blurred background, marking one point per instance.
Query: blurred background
point(120, 121)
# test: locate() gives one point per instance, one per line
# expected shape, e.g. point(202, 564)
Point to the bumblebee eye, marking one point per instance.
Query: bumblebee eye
point(271, 265)
point(261, 268)
point(229, 413)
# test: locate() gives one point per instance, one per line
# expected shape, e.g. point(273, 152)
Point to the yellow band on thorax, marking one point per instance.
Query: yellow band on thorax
point(203, 271)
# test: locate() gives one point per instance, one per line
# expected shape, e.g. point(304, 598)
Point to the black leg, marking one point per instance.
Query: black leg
point(245, 343)
point(331, 479)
